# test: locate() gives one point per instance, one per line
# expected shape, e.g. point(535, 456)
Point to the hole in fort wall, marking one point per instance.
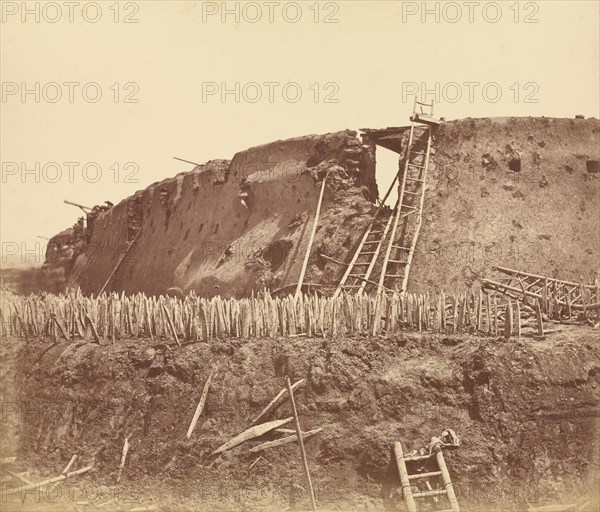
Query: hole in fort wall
point(592, 166)
point(200, 228)
point(216, 230)
point(514, 164)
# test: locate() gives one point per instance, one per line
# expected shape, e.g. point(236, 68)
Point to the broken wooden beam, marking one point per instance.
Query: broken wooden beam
point(251, 433)
point(283, 440)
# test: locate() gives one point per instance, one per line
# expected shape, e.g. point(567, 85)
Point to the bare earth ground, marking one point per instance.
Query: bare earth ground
point(526, 413)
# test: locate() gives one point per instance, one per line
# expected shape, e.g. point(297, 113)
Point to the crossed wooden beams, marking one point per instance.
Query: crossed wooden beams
point(524, 286)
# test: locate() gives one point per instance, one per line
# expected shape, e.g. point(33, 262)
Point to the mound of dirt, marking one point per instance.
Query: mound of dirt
point(526, 413)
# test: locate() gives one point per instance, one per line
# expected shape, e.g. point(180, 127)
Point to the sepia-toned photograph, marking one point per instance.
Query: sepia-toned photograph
point(313, 255)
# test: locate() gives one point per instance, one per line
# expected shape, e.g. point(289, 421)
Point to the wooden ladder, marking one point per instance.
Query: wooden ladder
point(359, 270)
point(398, 255)
point(439, 475)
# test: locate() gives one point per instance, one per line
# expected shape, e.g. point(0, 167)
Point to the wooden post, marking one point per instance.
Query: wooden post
point(495, 315)
point(538, 316)
point(301, 444)
point(310, 242)
point(405, 482)
point(488, 313)
point(508, 320)
point(518, 313)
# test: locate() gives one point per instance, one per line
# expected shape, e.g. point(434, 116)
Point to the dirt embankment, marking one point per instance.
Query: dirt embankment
point(526, 413)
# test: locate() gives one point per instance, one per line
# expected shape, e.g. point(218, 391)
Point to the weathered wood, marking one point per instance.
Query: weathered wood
point(251, 433)
point(200, 406)
point(283, 441)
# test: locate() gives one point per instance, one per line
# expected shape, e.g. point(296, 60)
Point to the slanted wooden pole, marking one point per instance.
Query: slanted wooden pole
point(200, 406)
point(310, 241)
point(301, 444)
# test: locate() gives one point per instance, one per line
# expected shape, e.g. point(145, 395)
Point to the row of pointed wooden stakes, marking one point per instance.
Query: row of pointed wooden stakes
point(112, 317)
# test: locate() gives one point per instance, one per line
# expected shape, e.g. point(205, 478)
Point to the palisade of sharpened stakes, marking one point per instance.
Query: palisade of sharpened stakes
point(112, 317)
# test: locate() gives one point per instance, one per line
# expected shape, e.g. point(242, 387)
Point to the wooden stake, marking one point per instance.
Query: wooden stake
point(170, 324)
point(123, 458)
point(200, 406)
point(301, 444)
point(93, 328)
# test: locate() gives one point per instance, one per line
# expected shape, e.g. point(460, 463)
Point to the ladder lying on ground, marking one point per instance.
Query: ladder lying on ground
point(532, 287)
point(438, 474)
point(383, 232)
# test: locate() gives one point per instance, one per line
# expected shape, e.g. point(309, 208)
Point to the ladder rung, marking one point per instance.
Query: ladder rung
point(414, 179)
point(397, 261)
point(367, 253)
point(401, 247)
point(371, 242)
point(418, 166)
point(417, 457)
point(375, 232)
point(412, 193)
point(427, 494)
point(394, 275)
point(422, 153)
point(409, 206)
point(358, 263)
point(431, 474)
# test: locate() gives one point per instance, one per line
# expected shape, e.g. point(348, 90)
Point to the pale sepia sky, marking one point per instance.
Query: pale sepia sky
point(541, 56)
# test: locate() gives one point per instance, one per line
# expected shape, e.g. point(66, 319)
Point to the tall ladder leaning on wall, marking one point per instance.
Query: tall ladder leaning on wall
point(390, 231)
